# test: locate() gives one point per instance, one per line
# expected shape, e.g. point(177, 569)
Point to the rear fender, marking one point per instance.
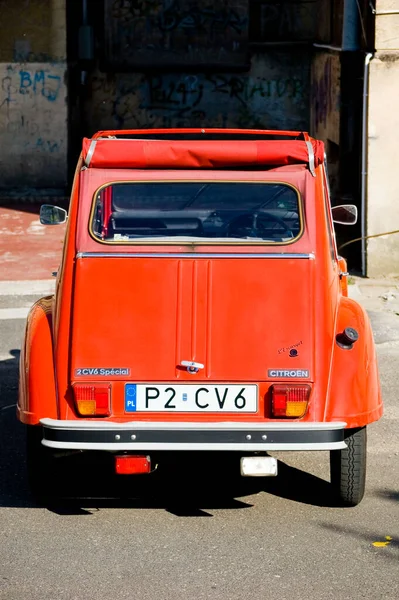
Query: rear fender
point(355, 395)
point(37, 392)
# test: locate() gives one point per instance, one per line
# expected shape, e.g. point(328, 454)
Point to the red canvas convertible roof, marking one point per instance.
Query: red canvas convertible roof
point(200, 149)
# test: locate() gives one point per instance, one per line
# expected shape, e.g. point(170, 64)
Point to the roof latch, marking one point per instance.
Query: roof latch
point(311, 158)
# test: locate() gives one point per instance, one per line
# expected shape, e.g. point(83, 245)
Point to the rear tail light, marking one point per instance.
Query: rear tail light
point(290, 400)
point(93, 400)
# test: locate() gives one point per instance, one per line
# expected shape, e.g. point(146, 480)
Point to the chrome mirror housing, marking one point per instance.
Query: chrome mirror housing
point(52, 215)
point(345, 214)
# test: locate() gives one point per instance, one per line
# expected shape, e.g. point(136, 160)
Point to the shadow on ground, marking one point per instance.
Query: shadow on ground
point(186, 486)
point(392, 495)
point(389, 547)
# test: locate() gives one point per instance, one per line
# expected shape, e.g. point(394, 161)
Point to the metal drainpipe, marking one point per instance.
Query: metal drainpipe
point(83, 74)
point(367, 60)
point(84, 12)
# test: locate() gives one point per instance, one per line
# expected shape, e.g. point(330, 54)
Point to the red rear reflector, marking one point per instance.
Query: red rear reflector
point(93, 400)
point(290, 400)
point(132, 465)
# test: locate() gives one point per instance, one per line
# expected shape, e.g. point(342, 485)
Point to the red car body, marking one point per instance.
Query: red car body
point(210, 288)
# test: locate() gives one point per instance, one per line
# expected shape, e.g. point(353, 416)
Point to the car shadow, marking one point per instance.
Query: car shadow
point(300, 486)
point(188, 486)
point(13, 486)
point(186, 490)
point(182, 493)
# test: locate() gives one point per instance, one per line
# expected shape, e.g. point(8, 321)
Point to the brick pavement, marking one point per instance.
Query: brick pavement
point(29, 251)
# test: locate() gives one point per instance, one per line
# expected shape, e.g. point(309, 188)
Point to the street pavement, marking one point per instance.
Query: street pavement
point(195, 534)
point(28, 250)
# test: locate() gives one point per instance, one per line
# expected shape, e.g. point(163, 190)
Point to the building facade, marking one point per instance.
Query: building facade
point(382, 206)
point(71, 68)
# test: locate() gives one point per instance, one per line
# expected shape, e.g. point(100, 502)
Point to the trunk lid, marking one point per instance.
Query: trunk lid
point(240, 317)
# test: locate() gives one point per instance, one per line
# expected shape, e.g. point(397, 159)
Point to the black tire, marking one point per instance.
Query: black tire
point(40, 465)
point(348, 468)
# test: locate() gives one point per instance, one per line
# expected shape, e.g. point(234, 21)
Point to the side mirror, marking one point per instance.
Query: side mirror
point(52, 215)
point(345, 214)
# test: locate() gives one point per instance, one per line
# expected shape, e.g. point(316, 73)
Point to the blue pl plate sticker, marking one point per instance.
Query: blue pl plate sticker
point(130, 397)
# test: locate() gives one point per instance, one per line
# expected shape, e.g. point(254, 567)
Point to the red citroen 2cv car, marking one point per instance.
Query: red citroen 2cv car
point(200, 305)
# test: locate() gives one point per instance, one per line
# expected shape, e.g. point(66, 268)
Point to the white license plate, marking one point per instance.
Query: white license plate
point(231, 398)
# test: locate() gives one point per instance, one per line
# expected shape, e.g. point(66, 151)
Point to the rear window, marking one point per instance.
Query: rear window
point(214, 212)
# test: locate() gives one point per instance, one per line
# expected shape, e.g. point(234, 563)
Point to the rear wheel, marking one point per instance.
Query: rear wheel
point(40, 465)
point(348, 468)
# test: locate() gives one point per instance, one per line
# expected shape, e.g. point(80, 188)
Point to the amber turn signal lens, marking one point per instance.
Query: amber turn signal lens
point(296, 409)
point(290, 401)
point(86, 407)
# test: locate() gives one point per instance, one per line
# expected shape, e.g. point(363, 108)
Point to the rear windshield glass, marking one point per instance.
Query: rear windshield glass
point(196, 211)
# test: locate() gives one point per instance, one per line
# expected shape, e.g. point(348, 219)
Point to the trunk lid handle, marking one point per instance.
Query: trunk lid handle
point(191, 366)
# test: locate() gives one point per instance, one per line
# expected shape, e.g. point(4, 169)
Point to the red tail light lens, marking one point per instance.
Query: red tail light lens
point(93, 400)
point(132, 465)
point(290, 400)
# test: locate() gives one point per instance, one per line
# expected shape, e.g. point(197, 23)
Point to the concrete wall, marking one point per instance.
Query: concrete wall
point(33, 95)
point(383, 181)
point(274, 94)
point(231, 73)
point(271, 90)
point(383, 131)
point(139, 33)
point(25, 31)
point(263, 81)
point(33, 131)
point(387, 25)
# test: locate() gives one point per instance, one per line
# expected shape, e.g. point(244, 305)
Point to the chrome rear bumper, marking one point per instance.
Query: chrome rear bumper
point(226, 436)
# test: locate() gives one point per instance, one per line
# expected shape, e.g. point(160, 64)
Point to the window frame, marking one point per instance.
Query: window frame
point(196, 242)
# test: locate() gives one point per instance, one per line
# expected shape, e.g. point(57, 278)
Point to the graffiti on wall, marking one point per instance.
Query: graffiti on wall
point(19, 81)
point(33, 124)
point(176, 32)
point(275, 94)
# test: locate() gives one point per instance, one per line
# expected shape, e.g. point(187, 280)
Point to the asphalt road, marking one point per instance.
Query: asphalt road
point(199, 535)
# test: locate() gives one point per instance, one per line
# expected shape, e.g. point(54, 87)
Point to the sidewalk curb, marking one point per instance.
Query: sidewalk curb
point(27, 288)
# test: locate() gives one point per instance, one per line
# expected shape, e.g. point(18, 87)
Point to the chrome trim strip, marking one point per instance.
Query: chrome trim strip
point(210, 447)
point(90, 153)
point(189, 425)
point(311, 158)
point(193, 255)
